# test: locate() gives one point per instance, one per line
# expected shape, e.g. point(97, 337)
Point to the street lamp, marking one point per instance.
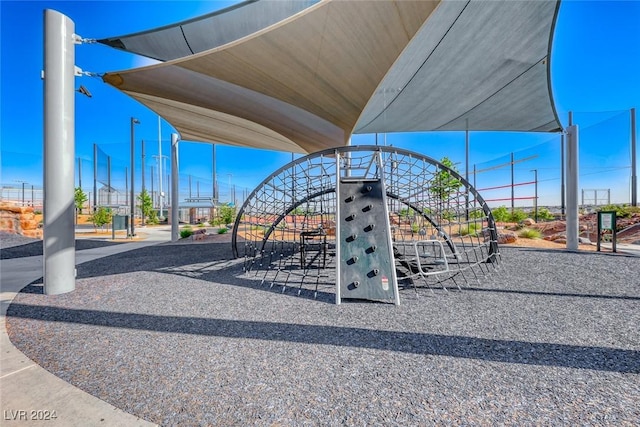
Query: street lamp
point(134, 122)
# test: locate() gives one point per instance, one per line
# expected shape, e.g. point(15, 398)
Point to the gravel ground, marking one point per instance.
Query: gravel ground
point(177, 335)
point(17, 246)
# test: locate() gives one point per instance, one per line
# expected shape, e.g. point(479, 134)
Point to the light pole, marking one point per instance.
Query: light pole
point(143, 187)
point(160, 159)
point(134, 122)
point(535, 199)
point(230, 175)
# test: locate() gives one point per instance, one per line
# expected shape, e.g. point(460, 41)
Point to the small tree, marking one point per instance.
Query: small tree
point(146, 204)
point(227, 214)
point(444, 185)
point(101, 217)
point(80, 198)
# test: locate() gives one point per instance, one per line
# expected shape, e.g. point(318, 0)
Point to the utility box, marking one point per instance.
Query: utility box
point(118, 222)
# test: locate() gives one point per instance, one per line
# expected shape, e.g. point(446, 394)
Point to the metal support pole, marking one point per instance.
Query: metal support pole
point(562, 175)
point(572, 188)
point(213, 172)
point(160, 166)
point(634, 175)
point(109, 181)
point(79, 173)
point(175, 233)
point(143, 164)
point(475, 199)
point(95, 177)
point(132, 200)
point(23, 193)
point(535, 200)
point(466, 169)
point(513, 195)
point(143, 187)
point(59, 150)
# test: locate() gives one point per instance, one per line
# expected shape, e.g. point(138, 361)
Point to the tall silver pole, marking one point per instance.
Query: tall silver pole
point(562, 175)
point(95, 177)
point(513, 195)
point(535, 199)
point(213, 172)
point(160, 165)
point(466, 168)
point(175, 234)
point(109, 181)
point(142, 177)
point(143, 164)
point(572, 188)
point(59, 150)
point(634, 175)
point(132, 199)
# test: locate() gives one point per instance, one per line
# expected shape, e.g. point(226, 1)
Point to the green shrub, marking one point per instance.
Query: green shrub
point(529, 233)
point(622, 211)
point(471, 229)
point(101, 217)
point(518, 215)
point(186, 232)
point(227, 214)
point(201, 225)
point(501, 214)
point(406, 213)
point(543, 214)
point(153, 217)
point(222, 230)
point(476, 214)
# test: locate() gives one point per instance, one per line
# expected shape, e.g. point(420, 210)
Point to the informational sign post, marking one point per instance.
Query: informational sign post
point(606, 228)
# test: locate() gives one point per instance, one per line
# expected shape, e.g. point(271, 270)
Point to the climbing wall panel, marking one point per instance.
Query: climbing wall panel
point(366, 262)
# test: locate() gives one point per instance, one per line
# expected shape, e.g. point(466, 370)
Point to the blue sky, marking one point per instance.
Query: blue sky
point(595, 67)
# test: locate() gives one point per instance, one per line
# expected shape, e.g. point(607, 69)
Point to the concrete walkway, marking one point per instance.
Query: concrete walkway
point(29, 395)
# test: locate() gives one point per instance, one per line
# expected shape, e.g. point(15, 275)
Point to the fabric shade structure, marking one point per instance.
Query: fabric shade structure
point(302, 76)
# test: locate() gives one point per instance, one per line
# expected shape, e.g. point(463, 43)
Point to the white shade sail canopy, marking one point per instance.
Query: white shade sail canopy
point(302, 76)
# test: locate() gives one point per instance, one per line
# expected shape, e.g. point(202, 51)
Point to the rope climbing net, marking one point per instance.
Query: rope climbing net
point(331, 222)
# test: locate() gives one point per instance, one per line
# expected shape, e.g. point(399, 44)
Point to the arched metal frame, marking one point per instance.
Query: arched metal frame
point(425, 200)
